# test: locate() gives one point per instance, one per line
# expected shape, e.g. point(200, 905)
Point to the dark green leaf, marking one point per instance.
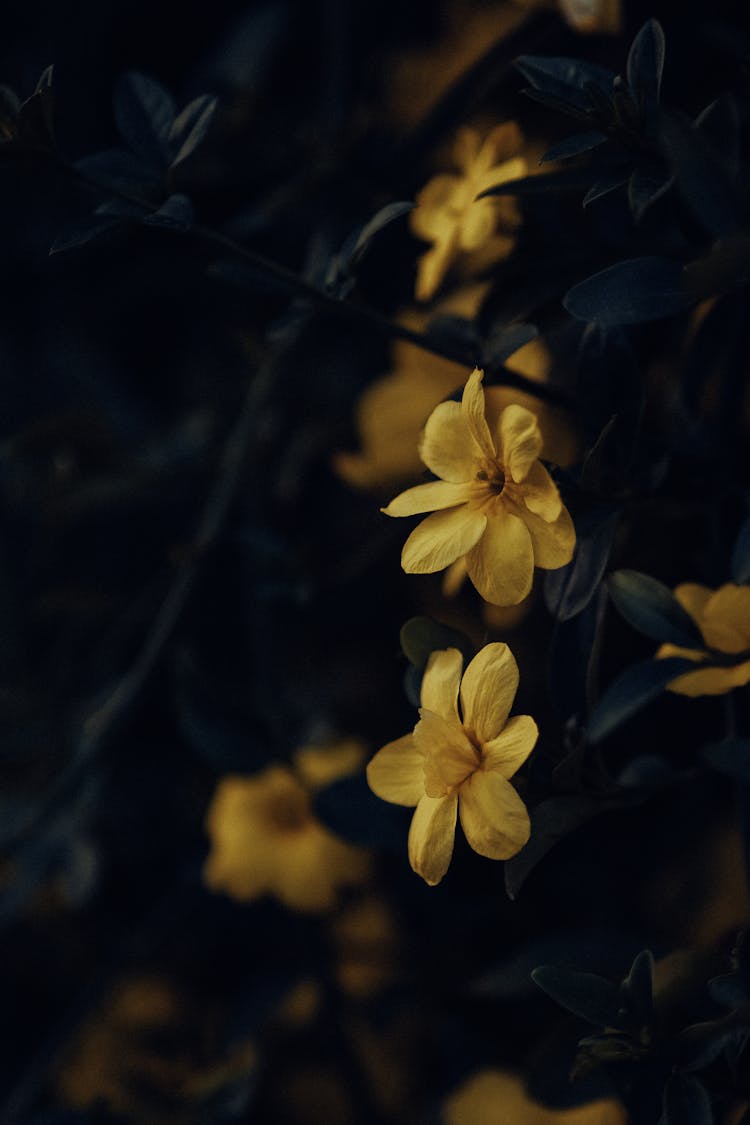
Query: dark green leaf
point(144, 112)
point(647, 184)
point(80, 233)
point(380, 220)
point(630, 292)
point(741, 554)
point(591, 998)
point(632, 690)
point(606, 184)
point(552, 821)
point(651, 608)
point(176, 213)
point(720, 123)
point(455, 334)
point(637, 989)
point(569, 589)
point(731, 756)
point(190, 127)
point(117, 169)
point(574, 146)
point(699, 174)
point(646, 65)
point(421, 636)
point(503, 342)
point(565, 78)
point(730, 990)
point(568, 179)
point(686, 1102)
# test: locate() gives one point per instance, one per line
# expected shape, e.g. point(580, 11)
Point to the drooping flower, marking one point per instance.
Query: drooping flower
point(458, 762)
point(495, 504)
point(266, 839)
point(723, 617)
point(449, 215)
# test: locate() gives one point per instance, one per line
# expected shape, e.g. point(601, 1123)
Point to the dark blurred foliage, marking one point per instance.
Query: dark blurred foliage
point(187, 589)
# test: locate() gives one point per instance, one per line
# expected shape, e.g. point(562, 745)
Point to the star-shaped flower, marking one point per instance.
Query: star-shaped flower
point(459, 762)
point(723, 617)
point(495, 504)
point(449, 215)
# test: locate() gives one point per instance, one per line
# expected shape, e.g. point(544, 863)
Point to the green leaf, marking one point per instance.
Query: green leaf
point(190, 127)
point(634, 291)
point(144, 112)
point(380, 220)
point(686, 1102)
point(590, 997)
point(651, 608)
point(569, 589)
point(421, 636)
point(637, 989)
point(645, 66)
point(632, 690)
point(574, 146)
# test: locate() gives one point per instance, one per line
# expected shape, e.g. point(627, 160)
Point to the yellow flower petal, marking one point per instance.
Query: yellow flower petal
point(446, 446)
point(311, 865)
point(514, 169)
point(553, 543)
point(540, 493)
point(449, 757)
point(488, 689)
point(440, 683)
point(501, 565)
point(520, 440)
point(493, 816)
point(431, 836)
point(466, 149)
point(472, 404)
point(432, 497)
point(500, 144)
point(317, 765)
point(434, 201)
point(454, 578)
point(442, 538)
point(477, 224)
point(434, 265)
point(726, 619)
point(693, 598)
point(704, 681)
point(396, 773)
point(507, 753)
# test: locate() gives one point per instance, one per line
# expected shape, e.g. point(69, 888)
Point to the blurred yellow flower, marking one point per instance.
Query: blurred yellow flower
point(495, 504)
point(265, 838)
point(449, 215)
point(496, 1097)
point(723, 617)
point(392, 411)
point(143, 1055)
point(459, 764)
point(590, 17)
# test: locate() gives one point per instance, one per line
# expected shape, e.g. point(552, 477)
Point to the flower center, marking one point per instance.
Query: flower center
point(288, 812)
point(490, 480)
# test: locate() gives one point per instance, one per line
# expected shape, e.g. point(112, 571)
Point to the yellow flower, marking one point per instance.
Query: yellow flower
point(449, 215)
point(723, 617)
point(495, 1097)
point(459, 764)
point(265, 838)
point(495, 503)
point(597, 17)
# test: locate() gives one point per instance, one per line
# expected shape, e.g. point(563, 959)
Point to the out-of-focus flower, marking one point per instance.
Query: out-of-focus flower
point(590, 17)
point(393, 410)
point(723, 617)
point(142, 1054)
point(449, 215)
point(459, 763)
point(366, 939)
point(266, 839)
point(495, 504)
point(496, 1097)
